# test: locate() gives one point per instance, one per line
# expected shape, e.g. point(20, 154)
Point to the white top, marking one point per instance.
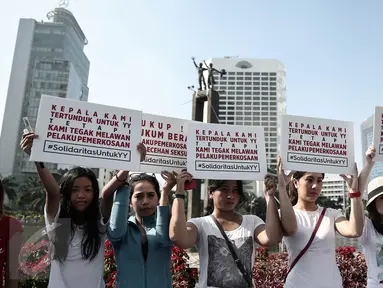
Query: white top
point(372, 244)
point(75, 271)
point(317, 268)
point(217, 267)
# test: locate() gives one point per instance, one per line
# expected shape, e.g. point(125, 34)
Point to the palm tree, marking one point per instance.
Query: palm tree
point(10, 187)
point(32, 195)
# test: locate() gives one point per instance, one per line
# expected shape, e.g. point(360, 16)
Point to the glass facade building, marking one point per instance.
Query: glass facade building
point(49, 59)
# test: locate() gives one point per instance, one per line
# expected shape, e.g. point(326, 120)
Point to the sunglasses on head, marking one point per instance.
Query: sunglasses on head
point(136, 175)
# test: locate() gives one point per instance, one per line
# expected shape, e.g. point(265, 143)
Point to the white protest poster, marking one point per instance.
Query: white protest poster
point(226, 152)
point(317, 145)
point(165, 142)
point(378, 134)
point(87, 134)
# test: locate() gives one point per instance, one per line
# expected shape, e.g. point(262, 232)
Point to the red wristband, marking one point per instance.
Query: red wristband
point(354, 194)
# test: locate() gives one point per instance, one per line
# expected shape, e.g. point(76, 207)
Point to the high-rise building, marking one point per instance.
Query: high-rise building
point(366, 129)
point(49, 59)
point(335, 188)
point(104, 176)
point(253, 92)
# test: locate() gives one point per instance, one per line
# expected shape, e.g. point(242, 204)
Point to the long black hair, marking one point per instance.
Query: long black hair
point(375, 217)
point(66, 224)
point(217, 184)
point(293, 192)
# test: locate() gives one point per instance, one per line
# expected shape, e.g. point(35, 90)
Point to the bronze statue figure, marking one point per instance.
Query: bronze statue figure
point(211, 69)
point(201, 78)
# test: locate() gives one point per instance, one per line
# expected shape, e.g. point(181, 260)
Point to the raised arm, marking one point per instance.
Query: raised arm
point(182, 234)
point(119, 215)
point(271, 233)
point(115, 183)
point(352, 228)
point(365, 173)
point(170, 182)
point(163, 210)
point(108, 192)
point(52, 189)
point(195, 64)
point(287, 215)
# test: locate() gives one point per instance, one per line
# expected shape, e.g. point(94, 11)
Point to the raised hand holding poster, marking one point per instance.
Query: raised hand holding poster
point(317, 145)
point(226, 152)
point(165, 141)
point(87, 134)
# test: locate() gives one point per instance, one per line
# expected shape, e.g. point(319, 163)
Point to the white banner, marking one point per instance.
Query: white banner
point(87, 134)
point(317, 145)
point(165, 141)
point(226, 152)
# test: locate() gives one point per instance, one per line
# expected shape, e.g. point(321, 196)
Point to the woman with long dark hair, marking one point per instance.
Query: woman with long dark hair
point(311, 250)
point(75, 223)
point(10, 244)
point(141, 242)
point(225, 239)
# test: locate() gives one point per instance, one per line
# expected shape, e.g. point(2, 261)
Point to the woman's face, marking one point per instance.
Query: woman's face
point(81, 194)
point(309, 186)
point(144, 199)
point(379, 204)
point(226, 197)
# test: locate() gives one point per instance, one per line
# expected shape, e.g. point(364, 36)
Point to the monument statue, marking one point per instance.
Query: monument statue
point(201, 78)
point(211, 70)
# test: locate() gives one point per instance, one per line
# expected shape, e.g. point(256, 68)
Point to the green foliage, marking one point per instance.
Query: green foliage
point(328, 203)
point(32, 195)
point(10, 187)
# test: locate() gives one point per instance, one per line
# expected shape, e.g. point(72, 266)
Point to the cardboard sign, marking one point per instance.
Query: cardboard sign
point(317, 145)
point(226, 152)
point(378, 134)
point(165, 141)
point(81, 133)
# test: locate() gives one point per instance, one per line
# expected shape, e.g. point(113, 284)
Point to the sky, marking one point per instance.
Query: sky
point(140, 51)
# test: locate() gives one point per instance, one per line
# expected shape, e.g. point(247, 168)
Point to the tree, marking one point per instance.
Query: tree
point(32, 195)
point(60, 173)
point(10, 187)
point(253, 205)
point(328, 203)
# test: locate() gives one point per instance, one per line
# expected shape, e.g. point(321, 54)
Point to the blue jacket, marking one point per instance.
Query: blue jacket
point(125, 236)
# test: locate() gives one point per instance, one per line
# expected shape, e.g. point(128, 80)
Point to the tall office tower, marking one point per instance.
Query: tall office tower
point(253, 92)
point(366, 129)
point(49, 59)
point(333, 187)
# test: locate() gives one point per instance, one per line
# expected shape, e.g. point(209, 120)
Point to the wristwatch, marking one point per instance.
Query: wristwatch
point(180, 196)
